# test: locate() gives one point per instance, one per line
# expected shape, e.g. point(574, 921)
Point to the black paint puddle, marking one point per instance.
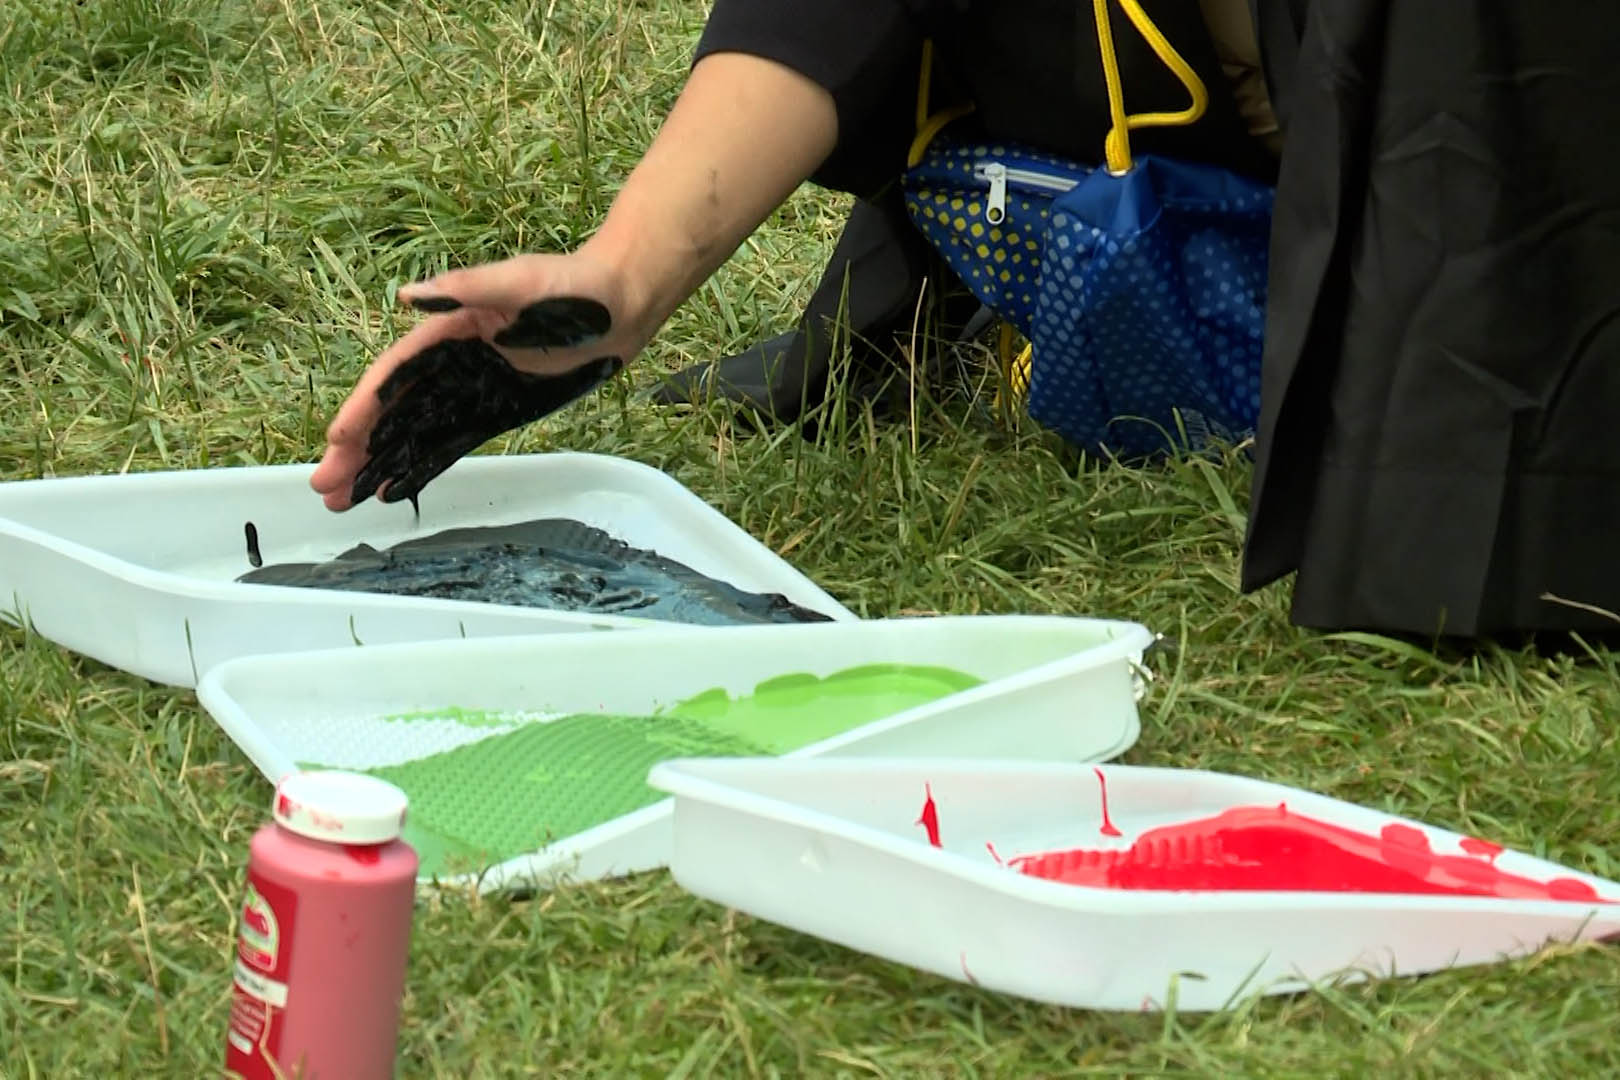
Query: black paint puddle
point(554, 563)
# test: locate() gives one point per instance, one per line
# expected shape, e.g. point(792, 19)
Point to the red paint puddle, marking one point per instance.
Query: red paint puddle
point(1252, 848)
point(1483, 848)
point(930, 816)
point(1107, 825)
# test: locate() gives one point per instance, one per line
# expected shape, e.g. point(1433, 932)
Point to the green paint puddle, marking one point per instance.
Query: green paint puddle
point(514, 792)
point(791, 711)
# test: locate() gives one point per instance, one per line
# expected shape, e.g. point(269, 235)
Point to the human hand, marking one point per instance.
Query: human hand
point(506, 344)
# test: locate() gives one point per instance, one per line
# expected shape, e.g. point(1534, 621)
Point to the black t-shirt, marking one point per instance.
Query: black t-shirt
point(1032, 69)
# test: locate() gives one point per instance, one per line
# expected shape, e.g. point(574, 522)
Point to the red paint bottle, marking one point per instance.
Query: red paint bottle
point(324, 934)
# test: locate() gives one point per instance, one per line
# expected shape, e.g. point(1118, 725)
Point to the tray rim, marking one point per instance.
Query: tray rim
point(677, 777)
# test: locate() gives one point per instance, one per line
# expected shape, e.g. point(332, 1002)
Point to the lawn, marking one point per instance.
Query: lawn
point(205, 211)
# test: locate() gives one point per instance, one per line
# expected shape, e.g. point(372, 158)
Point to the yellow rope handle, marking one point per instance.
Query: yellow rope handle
point(925, 80)
point(1019, 376)
point(929, 126)
point(1014, 368)
point(1117, 147)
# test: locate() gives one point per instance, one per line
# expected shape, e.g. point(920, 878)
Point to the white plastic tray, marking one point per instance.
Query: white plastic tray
point(1056, 689)
point(832, 848)
point(137, 571)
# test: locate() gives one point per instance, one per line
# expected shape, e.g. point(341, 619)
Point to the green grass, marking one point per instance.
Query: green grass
point(206, 209)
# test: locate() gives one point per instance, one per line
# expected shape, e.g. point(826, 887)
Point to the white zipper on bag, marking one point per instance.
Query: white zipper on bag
point(997, 175)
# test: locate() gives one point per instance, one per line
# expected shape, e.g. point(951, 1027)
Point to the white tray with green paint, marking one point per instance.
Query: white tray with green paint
point(138, 571)
point(526, 758)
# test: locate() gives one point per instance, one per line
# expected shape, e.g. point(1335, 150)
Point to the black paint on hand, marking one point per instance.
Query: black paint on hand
point(435, 303)
point(456, 395)
point(561, 322)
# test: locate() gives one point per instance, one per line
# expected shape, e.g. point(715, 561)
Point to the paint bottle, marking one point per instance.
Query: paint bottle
point(324, 934)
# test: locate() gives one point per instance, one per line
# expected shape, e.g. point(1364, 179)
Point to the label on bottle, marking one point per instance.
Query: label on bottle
point(259, 985)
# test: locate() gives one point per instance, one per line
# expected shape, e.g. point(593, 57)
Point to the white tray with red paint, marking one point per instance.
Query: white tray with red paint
point(838, 848)
point(138, 571)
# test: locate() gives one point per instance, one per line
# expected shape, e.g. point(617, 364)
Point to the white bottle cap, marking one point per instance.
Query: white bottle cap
point(340, 807)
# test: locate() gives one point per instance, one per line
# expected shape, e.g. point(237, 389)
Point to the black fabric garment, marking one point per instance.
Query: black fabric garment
point(1032, 69)
point(1437, 447)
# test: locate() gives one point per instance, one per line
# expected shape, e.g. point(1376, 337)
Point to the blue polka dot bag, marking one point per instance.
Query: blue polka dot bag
point(1141, 286)
point(985, 209)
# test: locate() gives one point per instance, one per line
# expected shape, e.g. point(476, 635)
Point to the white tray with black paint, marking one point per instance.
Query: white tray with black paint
point(139, 571)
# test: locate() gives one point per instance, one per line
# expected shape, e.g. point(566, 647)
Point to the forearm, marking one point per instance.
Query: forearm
point(743, 135)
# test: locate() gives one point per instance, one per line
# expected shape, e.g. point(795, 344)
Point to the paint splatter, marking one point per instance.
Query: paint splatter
point(994, 854)
point(1269, 848)
point(1483, 848)
point(1404, 836)
point(930, 816)
point(1107, 825)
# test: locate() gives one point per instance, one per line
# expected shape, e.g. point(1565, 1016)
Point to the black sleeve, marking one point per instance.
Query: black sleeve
point(865, 53)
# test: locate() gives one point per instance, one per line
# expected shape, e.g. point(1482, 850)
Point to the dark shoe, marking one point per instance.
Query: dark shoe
point(870, 287)
point(762, 378)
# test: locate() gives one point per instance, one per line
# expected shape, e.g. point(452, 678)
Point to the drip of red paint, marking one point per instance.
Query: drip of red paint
point(366, 856)
point(966, 974)
point(930, 816)
point(1269, 848)
point(1107, 825)
point(994, 854)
